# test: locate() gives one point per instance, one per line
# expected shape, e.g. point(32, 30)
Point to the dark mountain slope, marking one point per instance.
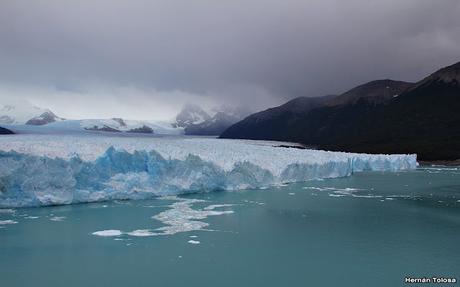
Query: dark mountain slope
point(278, 123)
point(4, 131)
point(425, 119)
point(375, 92)
point(272, 124)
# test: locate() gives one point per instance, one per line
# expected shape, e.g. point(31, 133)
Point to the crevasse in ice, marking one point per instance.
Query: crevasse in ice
point(170, 167)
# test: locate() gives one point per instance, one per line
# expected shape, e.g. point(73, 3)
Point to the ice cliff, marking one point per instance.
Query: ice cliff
point(48, 170)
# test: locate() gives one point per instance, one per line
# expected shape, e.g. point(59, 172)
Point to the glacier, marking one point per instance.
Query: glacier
point(41, 170)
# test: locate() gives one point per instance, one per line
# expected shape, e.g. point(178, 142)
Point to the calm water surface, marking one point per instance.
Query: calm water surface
point(371, 229)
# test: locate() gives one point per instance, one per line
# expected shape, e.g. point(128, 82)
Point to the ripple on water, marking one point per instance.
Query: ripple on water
point(342, 192)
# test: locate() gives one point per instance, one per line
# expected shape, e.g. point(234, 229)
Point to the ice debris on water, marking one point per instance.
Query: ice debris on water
point(180, 217)
point(57, 218)
point(108, 233)
point(9, 221)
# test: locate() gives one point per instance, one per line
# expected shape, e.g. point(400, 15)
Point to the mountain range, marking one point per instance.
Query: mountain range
point(23, 117)
point(383, 116)
point(192, 120)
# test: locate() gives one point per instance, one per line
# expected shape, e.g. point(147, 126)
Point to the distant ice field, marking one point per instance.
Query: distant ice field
point(62, 169)
point(84, 127)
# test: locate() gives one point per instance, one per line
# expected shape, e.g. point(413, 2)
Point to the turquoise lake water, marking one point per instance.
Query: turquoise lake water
point(370, 229)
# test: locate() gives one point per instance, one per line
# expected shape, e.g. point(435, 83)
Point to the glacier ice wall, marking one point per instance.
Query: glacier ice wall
point(37, 180)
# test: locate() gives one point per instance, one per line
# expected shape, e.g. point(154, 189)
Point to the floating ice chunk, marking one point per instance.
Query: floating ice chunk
point(254, 202)
point(193, 242)
point(367, 196)
point(341, 192)
point(344, 191)
point(57, 218)
point(336, 195)
point(318, 188)
point(5, 222)
point(291, 193)
point(142, 233)
point(214, 206)
point(282, 184)
point(348, 191)
point(108, 233)
point(183, 218)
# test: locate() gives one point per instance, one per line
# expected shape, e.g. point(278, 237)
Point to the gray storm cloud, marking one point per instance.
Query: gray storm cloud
point(143, 59)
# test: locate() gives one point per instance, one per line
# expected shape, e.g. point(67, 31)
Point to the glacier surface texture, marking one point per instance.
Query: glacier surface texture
point(38, 170)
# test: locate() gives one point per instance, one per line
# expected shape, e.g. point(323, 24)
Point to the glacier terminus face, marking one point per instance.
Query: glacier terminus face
point(39, 170)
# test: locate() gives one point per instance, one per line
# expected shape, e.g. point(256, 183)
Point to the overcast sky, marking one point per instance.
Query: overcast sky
point(142, 59)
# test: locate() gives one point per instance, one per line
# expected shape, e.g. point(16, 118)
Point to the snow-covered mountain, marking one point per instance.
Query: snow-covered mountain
point(25, 113)
point(197, 121)
point(44, 118)
point(191, 115)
